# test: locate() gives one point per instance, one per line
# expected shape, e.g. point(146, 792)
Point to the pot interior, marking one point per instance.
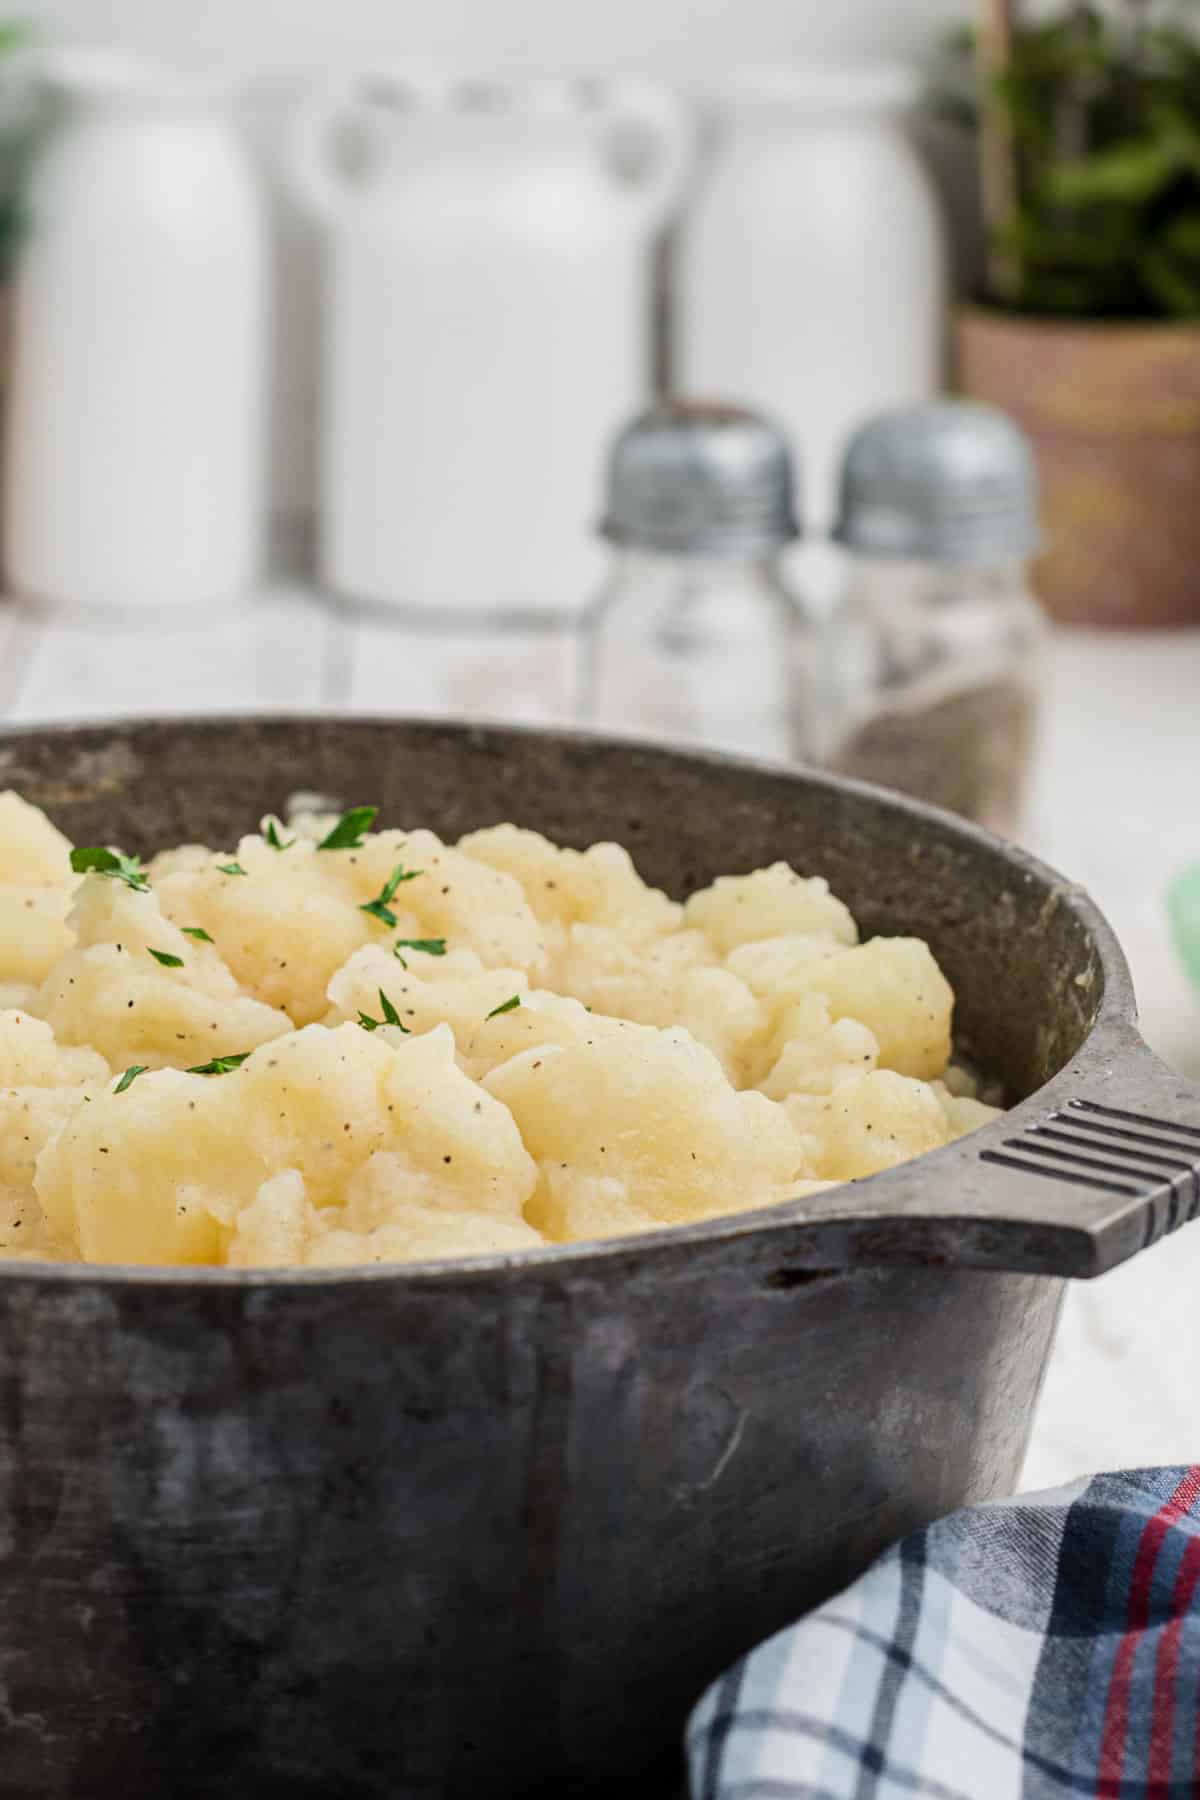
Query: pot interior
point(1027, 956)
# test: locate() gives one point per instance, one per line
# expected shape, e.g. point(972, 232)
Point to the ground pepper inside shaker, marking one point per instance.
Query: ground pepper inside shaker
point(932, 661)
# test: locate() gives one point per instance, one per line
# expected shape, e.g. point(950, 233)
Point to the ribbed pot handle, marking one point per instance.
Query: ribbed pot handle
point(1098, 1166)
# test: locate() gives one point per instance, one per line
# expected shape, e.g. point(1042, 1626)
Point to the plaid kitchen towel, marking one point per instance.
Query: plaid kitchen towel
point(1045, 1648)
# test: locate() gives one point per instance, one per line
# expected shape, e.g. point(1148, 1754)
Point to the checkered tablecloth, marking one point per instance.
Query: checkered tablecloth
point(1046, 1647)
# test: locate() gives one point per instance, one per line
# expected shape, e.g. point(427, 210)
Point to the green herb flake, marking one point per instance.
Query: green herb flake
point(166, 959)
point(220, 1065)
point(430, 947)
point(196, 931)
point(271, 834)
point(509, 1005)
point(232, 868)
point(390, 1016)
point(129, 1077)
point(378, 907)
point(95, 859)
point(347, 834)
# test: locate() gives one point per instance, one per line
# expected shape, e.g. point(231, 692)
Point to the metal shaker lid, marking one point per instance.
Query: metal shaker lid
point(696, 478)
point(950, 481)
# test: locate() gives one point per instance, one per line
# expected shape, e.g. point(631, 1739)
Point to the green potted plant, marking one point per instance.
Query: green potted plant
point(17, 130)
point(16, 133)
point(1088, 330)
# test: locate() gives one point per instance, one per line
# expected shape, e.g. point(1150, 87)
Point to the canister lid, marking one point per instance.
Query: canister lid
point(949, 481)
point(697, 478)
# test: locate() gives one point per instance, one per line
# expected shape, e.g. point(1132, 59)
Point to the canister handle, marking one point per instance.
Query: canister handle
point(309, 154)
point(1097, 1166)
point(642, 110)
point(311, 148)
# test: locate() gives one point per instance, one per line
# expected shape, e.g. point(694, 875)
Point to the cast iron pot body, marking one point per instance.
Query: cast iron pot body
point(488, 1528)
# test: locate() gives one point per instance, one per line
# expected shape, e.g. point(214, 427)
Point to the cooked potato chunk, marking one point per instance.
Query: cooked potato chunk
point(140, 991)
point(894, 988)
point(163, 1172)
point(774, 902)
point(30, 846)
point(878, 1120)
point(653, 1112)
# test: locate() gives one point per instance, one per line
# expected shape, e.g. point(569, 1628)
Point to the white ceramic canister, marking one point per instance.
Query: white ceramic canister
point(809, 269)
point(488, 328)
point(135, 428)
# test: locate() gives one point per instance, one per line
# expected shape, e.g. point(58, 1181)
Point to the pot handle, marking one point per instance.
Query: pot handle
point(1075, 1181)
point(649, 148)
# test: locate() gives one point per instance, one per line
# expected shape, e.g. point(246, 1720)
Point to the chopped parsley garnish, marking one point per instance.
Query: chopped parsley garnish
point(347, 834)
point(129, 1077)
point(166, 959)
point(378, 907)
point(390, 1016)
point(271, 834)
point(233, 868)
point(220, 1065)
point(430, 946)
point(509, 1005)
point(196, 931)
point(96, 860)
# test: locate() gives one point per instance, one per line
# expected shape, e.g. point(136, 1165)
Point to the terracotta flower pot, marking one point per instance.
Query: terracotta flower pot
point(1114, 414)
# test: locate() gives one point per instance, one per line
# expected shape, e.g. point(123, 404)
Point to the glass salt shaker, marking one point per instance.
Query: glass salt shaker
point(930, 677)
point(696, 636)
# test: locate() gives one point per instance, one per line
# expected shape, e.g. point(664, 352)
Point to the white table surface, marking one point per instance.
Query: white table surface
point(1115, 806)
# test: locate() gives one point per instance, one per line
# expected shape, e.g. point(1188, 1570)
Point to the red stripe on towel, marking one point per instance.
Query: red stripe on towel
point(1116, 1712)
point(1166, 1668)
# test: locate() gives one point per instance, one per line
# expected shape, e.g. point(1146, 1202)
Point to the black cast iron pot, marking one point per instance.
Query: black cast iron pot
point(487, 1528)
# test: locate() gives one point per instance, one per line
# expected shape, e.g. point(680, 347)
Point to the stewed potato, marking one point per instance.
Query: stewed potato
point(330, 1046)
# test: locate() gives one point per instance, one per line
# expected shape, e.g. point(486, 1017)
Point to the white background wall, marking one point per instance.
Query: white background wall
point(679, 37)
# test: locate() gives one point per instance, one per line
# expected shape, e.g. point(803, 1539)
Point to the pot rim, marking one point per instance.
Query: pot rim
point(1112, 1032)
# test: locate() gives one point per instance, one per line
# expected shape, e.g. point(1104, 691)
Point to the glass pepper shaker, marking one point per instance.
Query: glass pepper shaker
point(696, 636)
point(930, 676)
